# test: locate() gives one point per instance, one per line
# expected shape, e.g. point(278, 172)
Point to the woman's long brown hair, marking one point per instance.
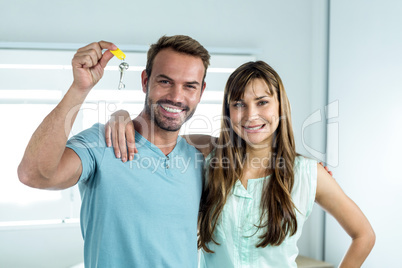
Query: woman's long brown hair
point(278, 216)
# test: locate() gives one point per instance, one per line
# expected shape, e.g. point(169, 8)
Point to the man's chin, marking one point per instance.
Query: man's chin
point(168, 127)
point(172, 129)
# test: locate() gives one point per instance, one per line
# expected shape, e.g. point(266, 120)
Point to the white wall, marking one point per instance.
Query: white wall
point(290, 35)
point(50, 246)
point(366, 78)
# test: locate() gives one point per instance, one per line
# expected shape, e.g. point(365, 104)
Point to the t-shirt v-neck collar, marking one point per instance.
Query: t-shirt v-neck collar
point(141, 140)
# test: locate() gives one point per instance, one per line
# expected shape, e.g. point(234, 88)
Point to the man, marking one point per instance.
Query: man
point(141, 213)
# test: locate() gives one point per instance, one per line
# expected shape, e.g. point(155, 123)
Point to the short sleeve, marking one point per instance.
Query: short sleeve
point(305, 185)
point(88, 145)
point(311, 169)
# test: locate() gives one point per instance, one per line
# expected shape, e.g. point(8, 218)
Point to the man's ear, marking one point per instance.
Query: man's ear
point(144, 81)
point(202, 89)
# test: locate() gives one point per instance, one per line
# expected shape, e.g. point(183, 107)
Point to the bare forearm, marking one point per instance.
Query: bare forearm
point(48, 142)
point(358, 251)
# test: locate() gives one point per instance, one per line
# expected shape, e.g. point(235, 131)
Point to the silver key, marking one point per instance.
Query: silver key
point(122, 68)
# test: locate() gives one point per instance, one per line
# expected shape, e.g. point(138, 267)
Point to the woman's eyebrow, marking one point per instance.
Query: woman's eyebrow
point(256, 98)
point(262, 97)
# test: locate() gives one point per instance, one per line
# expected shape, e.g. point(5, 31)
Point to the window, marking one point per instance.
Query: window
point(34, 81)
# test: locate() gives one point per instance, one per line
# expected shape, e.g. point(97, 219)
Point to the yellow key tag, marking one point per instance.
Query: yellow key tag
point(119, 54)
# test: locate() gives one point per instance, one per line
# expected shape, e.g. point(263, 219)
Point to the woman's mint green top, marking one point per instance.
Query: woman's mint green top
point(236, 232)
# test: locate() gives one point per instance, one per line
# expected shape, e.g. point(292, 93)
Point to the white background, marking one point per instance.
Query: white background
point(365, 70)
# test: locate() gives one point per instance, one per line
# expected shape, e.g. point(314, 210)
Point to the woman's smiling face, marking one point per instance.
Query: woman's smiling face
point(255, 117)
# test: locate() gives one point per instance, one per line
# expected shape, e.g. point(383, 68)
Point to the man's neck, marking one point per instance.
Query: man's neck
point(164, 140)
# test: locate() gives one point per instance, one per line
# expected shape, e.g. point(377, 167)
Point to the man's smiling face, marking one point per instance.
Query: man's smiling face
point(174, 88)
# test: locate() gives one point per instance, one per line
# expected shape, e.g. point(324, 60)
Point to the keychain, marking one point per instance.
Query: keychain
point(122, 67)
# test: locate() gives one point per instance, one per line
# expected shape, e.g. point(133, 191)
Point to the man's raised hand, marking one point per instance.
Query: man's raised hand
point(89, 63)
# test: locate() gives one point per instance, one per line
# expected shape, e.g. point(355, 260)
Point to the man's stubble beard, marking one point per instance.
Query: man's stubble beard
point(156, 117)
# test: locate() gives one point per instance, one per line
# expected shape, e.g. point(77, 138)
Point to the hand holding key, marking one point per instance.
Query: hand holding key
point(89, 63)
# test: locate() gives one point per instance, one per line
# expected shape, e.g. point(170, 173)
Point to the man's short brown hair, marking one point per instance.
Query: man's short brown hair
point(179, 43)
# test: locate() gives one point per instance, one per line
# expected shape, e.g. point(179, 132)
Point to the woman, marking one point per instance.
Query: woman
point(259, 191)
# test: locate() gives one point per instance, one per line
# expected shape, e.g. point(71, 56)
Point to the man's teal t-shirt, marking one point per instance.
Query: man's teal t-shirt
point(142, 213)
